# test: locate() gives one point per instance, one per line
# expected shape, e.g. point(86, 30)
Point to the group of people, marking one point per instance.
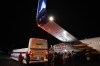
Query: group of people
point(67, 58)
point(21, 57)
point(59, 59)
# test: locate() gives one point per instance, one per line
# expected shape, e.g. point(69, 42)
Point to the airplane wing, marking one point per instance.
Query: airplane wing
point(54, 29)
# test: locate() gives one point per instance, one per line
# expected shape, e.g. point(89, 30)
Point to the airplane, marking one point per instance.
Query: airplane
point(92, 42)
point(61, 34)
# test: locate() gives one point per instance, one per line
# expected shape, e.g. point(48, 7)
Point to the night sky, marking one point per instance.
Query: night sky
point(18, 21)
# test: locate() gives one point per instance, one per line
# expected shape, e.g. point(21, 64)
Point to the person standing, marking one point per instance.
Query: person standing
point(27, 57)
point(72, 57)
point(20, 58)
point(88, 55)
point(53, 59)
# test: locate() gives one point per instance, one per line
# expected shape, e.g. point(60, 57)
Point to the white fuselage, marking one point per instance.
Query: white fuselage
point(92, 42)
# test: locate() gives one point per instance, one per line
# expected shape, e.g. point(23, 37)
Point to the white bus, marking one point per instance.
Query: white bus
point(37, 49)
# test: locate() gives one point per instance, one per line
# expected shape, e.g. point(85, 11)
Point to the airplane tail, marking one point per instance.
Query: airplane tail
point(41, 16)
point(50, 26)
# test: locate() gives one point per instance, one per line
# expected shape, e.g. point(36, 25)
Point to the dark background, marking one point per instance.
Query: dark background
point(18, 21)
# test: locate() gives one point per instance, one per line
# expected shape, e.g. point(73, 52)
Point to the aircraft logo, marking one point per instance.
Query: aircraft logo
point(41, 12)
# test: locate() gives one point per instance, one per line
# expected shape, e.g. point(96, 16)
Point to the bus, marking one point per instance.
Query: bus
point(37, 49)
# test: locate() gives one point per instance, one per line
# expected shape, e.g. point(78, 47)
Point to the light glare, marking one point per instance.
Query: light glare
point(51, 18)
